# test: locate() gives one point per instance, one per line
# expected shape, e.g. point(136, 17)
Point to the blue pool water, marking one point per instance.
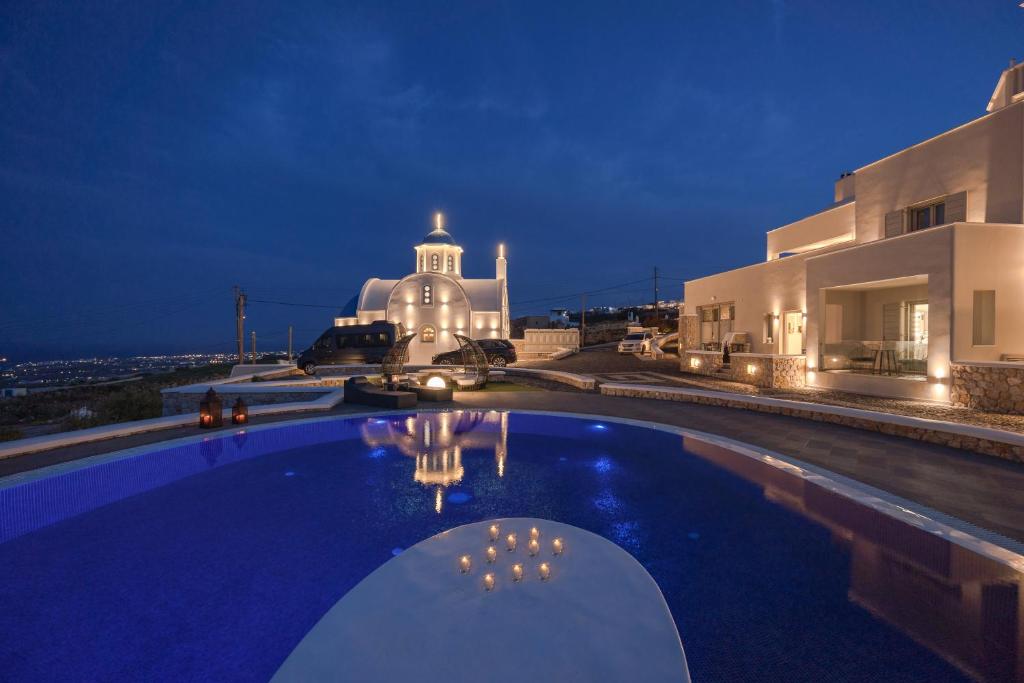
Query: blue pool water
point(211, 560)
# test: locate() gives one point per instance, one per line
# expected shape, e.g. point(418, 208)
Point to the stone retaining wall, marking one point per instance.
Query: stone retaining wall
point(768, 371)
point(182, 403)
point(996, 388)
point(700, 362)
point(689, 331)
point(929, 434)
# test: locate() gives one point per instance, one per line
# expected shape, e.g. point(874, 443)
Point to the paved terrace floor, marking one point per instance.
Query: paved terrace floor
point(608, 366)
point(983, 491)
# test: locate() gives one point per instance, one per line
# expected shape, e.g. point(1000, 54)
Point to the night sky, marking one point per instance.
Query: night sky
point(153, 154)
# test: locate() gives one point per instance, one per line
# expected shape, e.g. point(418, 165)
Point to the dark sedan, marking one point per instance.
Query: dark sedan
point(500, 352)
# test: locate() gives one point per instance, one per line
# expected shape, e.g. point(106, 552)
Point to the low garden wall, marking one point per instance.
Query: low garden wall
point(184, 400)
point(769, 371)
point(700, 362)
point(996, 387)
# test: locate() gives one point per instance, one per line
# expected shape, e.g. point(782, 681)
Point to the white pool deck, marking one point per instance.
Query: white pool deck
point(598, 617)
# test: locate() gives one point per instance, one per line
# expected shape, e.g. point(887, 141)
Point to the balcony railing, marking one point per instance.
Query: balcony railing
point(876, 357)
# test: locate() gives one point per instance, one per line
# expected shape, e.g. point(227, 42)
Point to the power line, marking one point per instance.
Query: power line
point(578, 294)
point(292, 303)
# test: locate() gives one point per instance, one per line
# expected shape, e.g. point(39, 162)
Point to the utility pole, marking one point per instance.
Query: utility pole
point(254, 347)
point(657, 310)
point(240, 323)
point(289, 343)
point(583, 321)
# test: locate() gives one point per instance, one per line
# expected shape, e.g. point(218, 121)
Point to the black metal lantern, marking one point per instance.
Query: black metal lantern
point(240, 412)
point(211, 410)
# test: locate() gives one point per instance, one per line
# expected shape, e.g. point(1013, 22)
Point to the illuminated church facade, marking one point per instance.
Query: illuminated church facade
point(436, 301)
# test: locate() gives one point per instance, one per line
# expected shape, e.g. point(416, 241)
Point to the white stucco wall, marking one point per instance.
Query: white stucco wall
point(830, 226)
point(989, 257)
point(770, 287)
point(449, 313)
point(983, 157)
point(927, 252)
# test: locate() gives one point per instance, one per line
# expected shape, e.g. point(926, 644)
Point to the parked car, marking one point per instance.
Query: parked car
point(637, 342)
point(358, 344)
point(500, 352)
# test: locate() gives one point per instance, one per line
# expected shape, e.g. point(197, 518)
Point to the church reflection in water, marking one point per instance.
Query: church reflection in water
point(966, 608)
point(437, 441)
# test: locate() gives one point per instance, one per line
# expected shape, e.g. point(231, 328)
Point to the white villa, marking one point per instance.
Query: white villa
point(436, 301)
point(911, 284)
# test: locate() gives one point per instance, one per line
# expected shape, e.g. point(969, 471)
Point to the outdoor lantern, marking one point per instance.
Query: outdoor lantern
point(436, 382)
point(240, 412)
point(211, 410)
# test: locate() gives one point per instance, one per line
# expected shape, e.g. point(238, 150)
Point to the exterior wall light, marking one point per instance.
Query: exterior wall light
point(211, 410)
point(751, 369)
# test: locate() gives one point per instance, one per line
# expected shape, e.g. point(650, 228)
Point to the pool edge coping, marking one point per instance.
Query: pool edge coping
point(984, 542)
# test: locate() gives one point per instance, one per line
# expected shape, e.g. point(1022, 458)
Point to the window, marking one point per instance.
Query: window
point(984, 317)
point(922, 217)
point(715, 322)
point(451, 263)
point(427, 298)
point(423, 263)
point(323, 343)
point(768, 329)
point(428, 334)
point(435, 261)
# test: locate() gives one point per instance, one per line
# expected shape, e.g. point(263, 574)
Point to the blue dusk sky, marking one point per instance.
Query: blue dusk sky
point(153, 154)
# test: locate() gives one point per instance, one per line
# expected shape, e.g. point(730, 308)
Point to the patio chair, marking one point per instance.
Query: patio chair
point(475, 367)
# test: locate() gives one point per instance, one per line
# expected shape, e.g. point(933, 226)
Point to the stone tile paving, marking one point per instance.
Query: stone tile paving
point(604, 362)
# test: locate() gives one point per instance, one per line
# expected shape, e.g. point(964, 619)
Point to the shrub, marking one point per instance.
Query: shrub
point(10, 433)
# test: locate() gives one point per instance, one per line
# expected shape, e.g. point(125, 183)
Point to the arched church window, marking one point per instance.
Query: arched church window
point(428, 334)
point(428, 296)
point(423, 263)
point(435, 262)
point(451, 263)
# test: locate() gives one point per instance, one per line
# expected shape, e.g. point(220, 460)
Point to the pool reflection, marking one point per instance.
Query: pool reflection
point(966, 608)
point(436, 442)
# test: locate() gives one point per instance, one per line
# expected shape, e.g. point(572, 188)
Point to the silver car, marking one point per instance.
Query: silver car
point(638, 342)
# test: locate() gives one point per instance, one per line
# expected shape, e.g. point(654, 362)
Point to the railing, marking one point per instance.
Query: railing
point(874, 356)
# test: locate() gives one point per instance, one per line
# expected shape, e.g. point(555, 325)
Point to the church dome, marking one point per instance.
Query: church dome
point(438, 235)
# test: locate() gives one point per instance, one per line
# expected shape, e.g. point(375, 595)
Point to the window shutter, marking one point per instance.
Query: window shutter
point(894, 223)
point(956, 207)
point(891, 321)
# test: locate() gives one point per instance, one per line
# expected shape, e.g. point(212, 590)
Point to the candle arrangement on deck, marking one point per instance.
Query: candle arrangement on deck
point(518, 570)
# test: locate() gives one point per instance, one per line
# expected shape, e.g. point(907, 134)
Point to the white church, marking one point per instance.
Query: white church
point(435, 301)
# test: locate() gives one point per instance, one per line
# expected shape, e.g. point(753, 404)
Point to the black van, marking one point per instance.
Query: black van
point(358, 344)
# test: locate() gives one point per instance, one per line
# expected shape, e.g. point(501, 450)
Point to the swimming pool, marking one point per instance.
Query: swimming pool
point(211, 559)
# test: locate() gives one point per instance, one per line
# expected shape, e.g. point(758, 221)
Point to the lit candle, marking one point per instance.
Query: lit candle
point(492, 555)
point(489, 582)
point(534, 533)
point(544, 570)
point(534, 547)
point(510, 540)
point(557, 547)
point(494, 532)
point(464, 564)
point(517, 572)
